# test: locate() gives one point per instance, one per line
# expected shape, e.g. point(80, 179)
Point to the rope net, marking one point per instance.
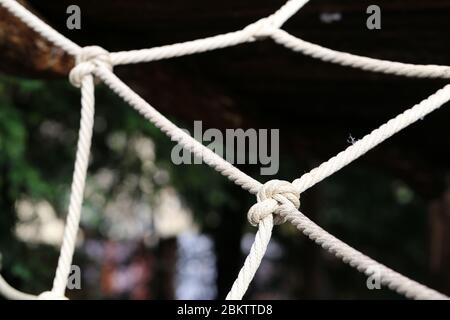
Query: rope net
point(277, 201)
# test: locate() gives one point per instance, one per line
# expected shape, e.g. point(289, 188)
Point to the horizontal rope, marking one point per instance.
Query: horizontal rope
point(388, 277)
point(230, 39)
point(280, 199)
point(78, 186)
point(253, 260)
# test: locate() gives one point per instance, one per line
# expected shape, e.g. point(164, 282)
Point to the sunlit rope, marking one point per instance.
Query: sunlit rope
point(277, 201)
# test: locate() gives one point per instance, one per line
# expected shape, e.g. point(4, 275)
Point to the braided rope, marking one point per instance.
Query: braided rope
point(40, 27)
point(78, 184)
point(354, 61)
point(388, 277)
point(309, 179)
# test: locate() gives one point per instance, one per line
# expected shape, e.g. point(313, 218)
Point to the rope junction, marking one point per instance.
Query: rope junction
point(277, 201)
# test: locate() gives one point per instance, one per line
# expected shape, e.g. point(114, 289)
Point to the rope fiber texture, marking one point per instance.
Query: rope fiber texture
point(277, 201)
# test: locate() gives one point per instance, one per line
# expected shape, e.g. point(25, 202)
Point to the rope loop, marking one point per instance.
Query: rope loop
point(274, 197)
point(261, 29)
point(88, 59)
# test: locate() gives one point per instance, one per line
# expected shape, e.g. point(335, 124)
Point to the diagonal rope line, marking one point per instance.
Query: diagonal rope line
point(327, 168)
point(277, 200)
point(354, 61)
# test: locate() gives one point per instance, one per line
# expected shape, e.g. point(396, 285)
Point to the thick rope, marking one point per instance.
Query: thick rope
point(253, 260)
point(76, 195)
point(277, 200)
point(359, 148)
point(350, 60)
point(388, 277)
point(40, 27)
point(271, 198)
point(79, 77)
point(257, 30)
point(254, 31)
point(176, 134)
point(373, 139)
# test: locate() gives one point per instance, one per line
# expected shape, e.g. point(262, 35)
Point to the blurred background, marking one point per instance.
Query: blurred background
point(155, 230)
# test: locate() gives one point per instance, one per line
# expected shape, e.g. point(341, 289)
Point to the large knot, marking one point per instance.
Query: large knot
point(273, 196)
point(87, 61)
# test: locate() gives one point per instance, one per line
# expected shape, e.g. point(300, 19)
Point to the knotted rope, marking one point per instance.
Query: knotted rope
point(81, 76)
point(274, 198)
point(271, 198)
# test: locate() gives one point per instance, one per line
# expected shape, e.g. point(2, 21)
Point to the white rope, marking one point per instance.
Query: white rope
point(286, 12)
point(86, 81)
point(80, 76)
point(263, 236)
point(263, 214)
point(388, 277)
point(271, 202)
point(182, 49)
point(276, 200)
point(271, 28)
point(40, 26)
point(257, 30)
point(354, 61)
point(371, 140)
point(253, 260)
point(176, 134)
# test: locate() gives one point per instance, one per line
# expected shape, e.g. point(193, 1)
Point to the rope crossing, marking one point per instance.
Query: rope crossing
point(277, 201)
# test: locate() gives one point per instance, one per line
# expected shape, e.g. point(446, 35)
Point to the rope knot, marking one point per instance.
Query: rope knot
point(87, 61)
point(273, 197)
point(261, 29)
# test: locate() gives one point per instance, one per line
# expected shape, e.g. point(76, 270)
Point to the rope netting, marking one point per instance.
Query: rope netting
point(277, 201)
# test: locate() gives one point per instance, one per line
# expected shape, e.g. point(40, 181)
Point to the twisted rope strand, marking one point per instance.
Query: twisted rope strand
point(388, 277)
point(78, 184)
point(75, 204)
point(40, 27)
point(247, 34)
point(181, 49)
point(350, 60)
point(13, 294)
point(264, 233)
point(373, 139)
point(275, 197)
point(176, 134)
